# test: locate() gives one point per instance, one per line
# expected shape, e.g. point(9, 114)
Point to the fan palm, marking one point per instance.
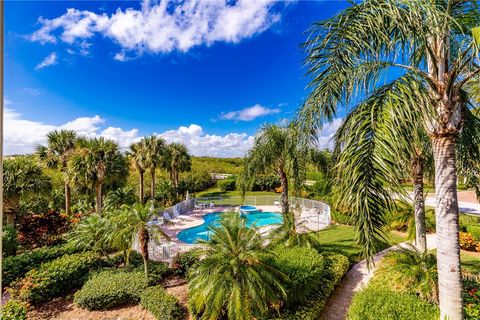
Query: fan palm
point(177, 160)
point(60, 145)
point(21, 177)
point(153, 149)
point(136, 156)
point(434, 42)
point(130, 223)
point(233, 280)
point(95, 162)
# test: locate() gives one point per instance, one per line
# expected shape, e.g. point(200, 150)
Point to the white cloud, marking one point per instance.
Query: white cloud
point(248, 114)
point(31, 91)
point(163, 26)
point(49, 60)
point(326, 134)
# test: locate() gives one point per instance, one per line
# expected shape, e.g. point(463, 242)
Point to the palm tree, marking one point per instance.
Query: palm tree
point(130, 223)
point(434, 43)
point(153, 148)
point(114, 199)
point(137, 158)
point(21, 177)
point(282, 151)
point(234, 280)
point(60, 145)
point(95, 162)
point(176, 160)
point(90, 234)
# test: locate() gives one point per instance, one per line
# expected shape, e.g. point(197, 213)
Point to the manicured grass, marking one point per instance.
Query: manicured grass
point(341, 239)
point(470, 262)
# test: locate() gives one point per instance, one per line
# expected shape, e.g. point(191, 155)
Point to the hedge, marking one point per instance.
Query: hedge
point(55, 278)
point(183, 262)
point(16, 267)
point(161, 305)
point(226, 185)
point(373, 304)
point(474, 231)
point(14, 310)
point(111, 288)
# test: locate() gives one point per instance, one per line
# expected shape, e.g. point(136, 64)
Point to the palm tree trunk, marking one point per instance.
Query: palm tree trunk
point(144, 238)
point(152, 184)
point(446, 212)
point(68, 196)
point(98, 198)
point(419, 204)
point(284, 184)
point(140, 189)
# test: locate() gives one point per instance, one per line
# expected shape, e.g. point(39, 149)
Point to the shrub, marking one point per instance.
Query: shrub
point(111, 288)
point(467, 241)
point(226, 185)
point(471, 299)
point(42, 229)
point(15, 267)
point(341, 217)
point(184, 261)
point(56, 277)
point(161, 305)
point(14, 310)
point(474, 231)
point(157, 271)
point(265, 182)
point(373, 304)
point(9, 241)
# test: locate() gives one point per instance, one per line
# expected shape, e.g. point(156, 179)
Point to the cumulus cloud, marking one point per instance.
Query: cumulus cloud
point(325, 136)
point(49, 60)
point(248, 114)
point(163, 26)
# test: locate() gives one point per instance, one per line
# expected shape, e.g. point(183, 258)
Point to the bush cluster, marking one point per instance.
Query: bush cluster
point(468, 242)
point(9, 241)
point(226, 185)
point(183, 262)
point(161, 305)
point(373, 304)
point(265, 182)
point(471, 299)
point(55, 278)
point(14, 310)
point(15, 267)
point(42, 229)
point(111, 288)
point(474, 230)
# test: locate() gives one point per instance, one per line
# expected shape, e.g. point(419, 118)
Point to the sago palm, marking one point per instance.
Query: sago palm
point(233, 280)
point(136, 156)
point(432, 41)
point(153, 148)
point(60, 145)
point(176, 160)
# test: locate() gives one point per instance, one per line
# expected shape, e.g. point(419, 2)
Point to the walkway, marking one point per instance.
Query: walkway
point(356, 279)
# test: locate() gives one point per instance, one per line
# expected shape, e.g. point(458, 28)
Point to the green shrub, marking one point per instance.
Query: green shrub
point(14, 310)
point(16, 267)
point(55, 278)
point(111, 288)
point(226, 185)
point(157, 271)
point(161, 305)
point(471, 299)
point(340, 217)
point(374, 304)
point(474, 231)
point(10, 242)
point(265, 182)
point(183, 262)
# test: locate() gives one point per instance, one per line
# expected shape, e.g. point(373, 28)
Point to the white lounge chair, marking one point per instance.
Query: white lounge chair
point(177, 215)
point(276, 203)
point(212, 205)
point(167, 217)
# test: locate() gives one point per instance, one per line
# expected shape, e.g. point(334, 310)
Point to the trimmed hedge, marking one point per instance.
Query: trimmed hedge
point(373, 304)
point(111, 288)
point(16, 267)
point(161, 305)
point(474, 231)
point(14, 310)
point(57, 277)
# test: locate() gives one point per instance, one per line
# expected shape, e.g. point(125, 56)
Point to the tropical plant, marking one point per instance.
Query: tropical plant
point(95, 162)
point(136, 155)
point(153, 149)
point(132, 222)
point(233, 280)
point(114, 199)
point(21, 177)
point(90, 234)
point(176, 160)
point(434, 44)
point(60, 145)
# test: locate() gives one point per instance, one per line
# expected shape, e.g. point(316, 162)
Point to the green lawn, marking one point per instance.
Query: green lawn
point(341, 239)
point(470, 263)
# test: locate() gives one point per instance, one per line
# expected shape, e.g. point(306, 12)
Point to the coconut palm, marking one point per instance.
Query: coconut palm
point(433, 42)
point(153, 149)
point(278, 149)
point(60, 145)
point(176, 160)
point(95, 162)
point(234, 281)
point(130, 223)
point(136, 156)
point(21, 177)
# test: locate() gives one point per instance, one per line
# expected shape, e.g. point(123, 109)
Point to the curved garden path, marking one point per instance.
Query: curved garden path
point(356, 279)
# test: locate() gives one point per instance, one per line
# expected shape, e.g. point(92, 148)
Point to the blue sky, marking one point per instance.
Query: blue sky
point(207, 74)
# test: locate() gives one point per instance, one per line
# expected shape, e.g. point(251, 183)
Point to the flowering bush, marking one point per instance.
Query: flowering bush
point(467, 241)
point(471, 299)
point(36, 230)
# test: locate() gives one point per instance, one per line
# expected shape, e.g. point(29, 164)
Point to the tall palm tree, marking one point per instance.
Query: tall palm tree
point(153, 148)
point(435, 43)
point(176, 160)
point(130, 223)
point(279, 149)
point(95, 162)
point(21, 177)
point(60, 145)
point(234, 280)
point(137, 158)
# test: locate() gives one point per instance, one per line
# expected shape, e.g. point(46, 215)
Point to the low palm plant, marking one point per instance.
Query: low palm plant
point(233, 280)
point(90, 234)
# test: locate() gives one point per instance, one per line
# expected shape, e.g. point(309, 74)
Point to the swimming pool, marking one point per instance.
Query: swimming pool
point(259, 219)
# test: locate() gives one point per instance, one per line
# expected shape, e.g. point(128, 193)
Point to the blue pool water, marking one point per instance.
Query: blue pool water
point(258, 219)
point(248, 209)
